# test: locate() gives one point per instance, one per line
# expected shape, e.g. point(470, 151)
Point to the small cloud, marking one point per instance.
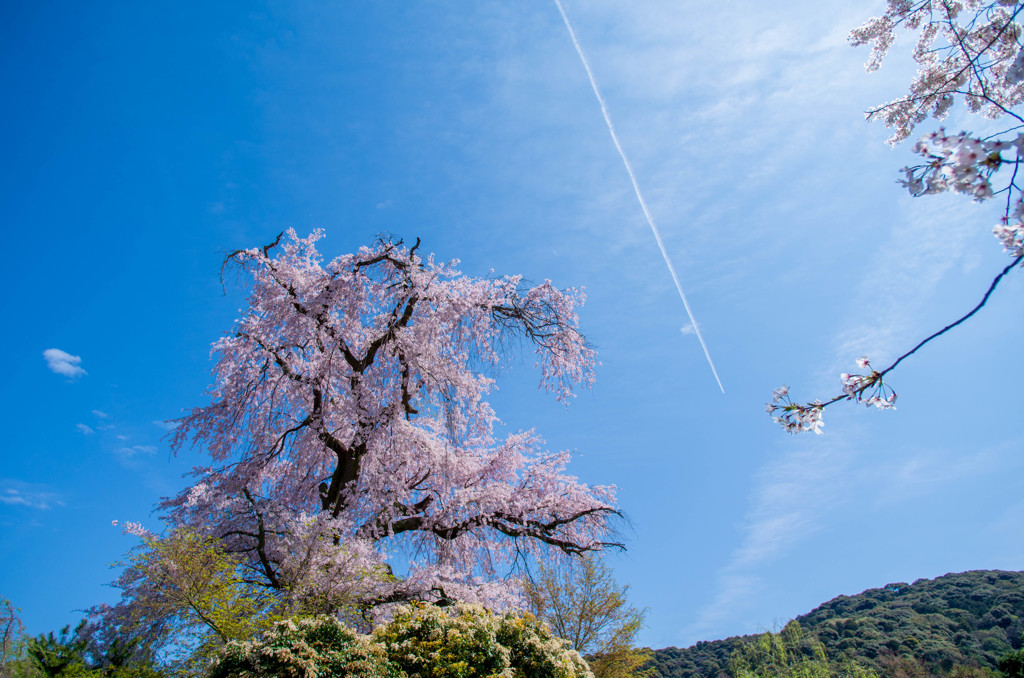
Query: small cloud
point(13, 497)
point(100, 415)
point(384, 205)
point(122, 437)
point(63, 363)
point(168, 425)
point(84, 430)
point(687, 329)
point(17, 493)
point(129, 452)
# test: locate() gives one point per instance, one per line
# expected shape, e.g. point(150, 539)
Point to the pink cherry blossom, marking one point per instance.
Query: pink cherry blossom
point(968, 51)
point(348, 426)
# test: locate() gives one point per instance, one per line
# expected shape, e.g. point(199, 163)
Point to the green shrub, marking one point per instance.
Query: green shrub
point(422, 641)
point(467, 641)
point(313, 647)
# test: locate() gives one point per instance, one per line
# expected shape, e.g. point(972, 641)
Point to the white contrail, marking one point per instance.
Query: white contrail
point(636, 189)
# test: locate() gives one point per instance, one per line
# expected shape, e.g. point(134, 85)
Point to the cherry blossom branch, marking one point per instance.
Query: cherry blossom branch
point(978, 57)
point(797, 418)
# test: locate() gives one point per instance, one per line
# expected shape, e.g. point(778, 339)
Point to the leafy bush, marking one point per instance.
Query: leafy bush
point(422, 641)
point(314, 647)
point(470, 642)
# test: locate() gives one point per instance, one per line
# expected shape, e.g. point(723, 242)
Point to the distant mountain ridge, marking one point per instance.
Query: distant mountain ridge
point(963, 619)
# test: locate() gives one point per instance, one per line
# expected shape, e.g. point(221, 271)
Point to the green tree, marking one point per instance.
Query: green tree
point(1012, 665)
point(184, 594)
point(582, 603)
point(62, 655)
point(791, 653)
point(11, 637)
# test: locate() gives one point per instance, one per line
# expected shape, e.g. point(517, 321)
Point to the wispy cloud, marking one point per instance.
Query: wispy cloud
point(129, 452)
point(799, 496)
point(84, 430)
point(905, 272)
point(62, 362)
point(168, 425)
point(30, 495)
point(923, 472)
point(100, 414)
point(792, 498)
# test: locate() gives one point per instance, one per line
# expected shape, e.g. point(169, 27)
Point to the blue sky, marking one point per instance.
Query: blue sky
point(143, 141)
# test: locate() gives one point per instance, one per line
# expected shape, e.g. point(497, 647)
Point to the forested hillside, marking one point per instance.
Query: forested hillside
point(966, 619)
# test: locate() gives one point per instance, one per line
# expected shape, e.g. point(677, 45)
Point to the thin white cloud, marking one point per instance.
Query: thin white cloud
point(904, 274)
point(129, 452)
point(799, 495)
point(168, 425)
point(12, 497)
point(793, 496)
point(924, 472)
point(100, 414)
point(30, 495)
point(84, 430)
point(733, 589)
point(64, 363)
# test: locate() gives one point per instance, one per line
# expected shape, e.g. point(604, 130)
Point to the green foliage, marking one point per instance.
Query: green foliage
point(956, 623)
point(314, 647)
point(428, 641)
point(188, 595)
point(422, 641)
point(63, 655)
point(75, 655)
point(11, 630)
point(582, 603)
point(12, 641)
point(1012, 665)
point(791, 653)
point(467, 641)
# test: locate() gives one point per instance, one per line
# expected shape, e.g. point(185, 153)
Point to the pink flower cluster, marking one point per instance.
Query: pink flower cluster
point(133, 529)
point(856, 385)
point(793, 417)
point(969, 50)
point(959, 163)
point(966, 164)
point(1011, 234)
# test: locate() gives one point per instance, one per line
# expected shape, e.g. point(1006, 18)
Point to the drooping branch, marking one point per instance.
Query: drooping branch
point(261, 542)
point(352, 395)
point(511, 526)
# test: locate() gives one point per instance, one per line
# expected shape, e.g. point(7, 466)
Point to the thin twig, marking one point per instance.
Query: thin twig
point(877, 376)
point(947, 328)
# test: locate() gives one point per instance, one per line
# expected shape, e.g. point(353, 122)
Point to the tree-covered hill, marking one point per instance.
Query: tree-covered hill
point(966, 619)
